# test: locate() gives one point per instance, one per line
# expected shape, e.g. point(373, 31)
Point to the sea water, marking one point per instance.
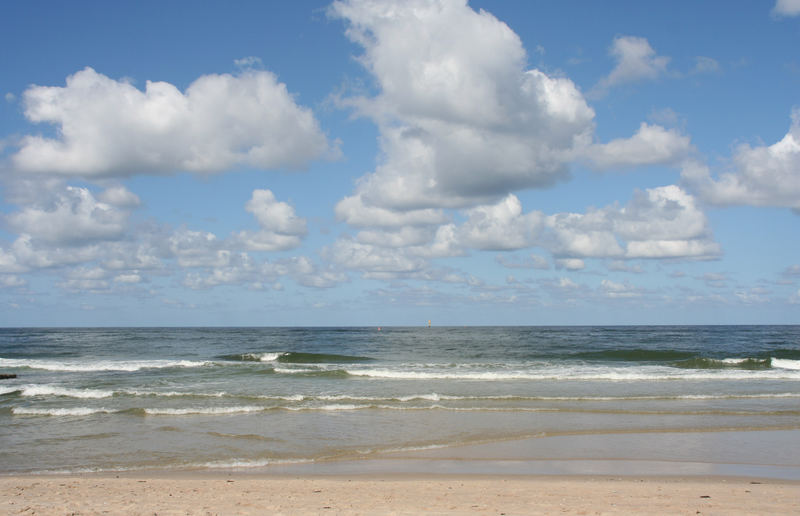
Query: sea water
point(118, 399)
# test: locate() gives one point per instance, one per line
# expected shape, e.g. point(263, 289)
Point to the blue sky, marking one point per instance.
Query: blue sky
point(387, 163)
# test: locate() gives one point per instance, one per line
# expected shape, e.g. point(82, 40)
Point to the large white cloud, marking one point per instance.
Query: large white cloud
point(462, 121)
point(759, 176)
point(110, 128)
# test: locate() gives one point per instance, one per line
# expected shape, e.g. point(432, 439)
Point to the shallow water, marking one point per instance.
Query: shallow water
point(122, 398)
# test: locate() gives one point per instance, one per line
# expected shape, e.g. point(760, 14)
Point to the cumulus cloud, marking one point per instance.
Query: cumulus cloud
point(109, 128)
point(72, 217)
point(501, 226)
point(662, 222)
point(120, 197)
point(658, 223)
point(373, 261)
point(636, 61)
point(462, 122)
point(651, 145)
point(759, 176)
point(353, 211)
point(281, 228)
point(198, 249)
point(786, 8)
point(614, 290)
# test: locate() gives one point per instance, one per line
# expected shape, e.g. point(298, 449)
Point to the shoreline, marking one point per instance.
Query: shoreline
point(724, 453)
point(504, 477)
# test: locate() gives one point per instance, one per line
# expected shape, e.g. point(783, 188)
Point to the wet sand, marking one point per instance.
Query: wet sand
point(639, 473)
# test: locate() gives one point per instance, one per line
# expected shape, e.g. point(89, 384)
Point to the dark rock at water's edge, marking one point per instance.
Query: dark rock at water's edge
point(7, 376)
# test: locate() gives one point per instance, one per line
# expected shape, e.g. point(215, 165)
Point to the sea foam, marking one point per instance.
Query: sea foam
point(100, 365)
point(54, 390)
point(74, 411)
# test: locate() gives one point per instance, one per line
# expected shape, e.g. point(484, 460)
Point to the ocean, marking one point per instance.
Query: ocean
point(129, 399)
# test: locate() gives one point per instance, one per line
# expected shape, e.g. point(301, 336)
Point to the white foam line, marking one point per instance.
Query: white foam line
point(76, 411)
point(53, 390)
point(103, 365)
point(203, 411)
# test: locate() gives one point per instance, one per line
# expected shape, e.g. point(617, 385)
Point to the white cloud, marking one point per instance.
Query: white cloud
point(109, 128)
point(616, 290)
point(636, 61)
point(353, 211)
point(571, 264)
point(198, 249)
point(786, 8)
point(128, 278)
point(120, 197)
point(501, 226)
point(658, 223)
point(462, 122)
point(72, 217)
point(9, 263)
point(281, 228)
point(662, 222)
point(651, 145)
point(25, 254)
point(372, 261)
point(760, 176)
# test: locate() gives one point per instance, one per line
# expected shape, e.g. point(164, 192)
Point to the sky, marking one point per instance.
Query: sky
point(361, 162)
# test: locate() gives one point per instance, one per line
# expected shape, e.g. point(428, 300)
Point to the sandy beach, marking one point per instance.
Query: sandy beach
point(395, 494)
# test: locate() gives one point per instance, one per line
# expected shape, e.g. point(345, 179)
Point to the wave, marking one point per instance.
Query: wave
point(102, 365)
point(786, 364)
point(213, 411)
point(172, 394)
point(308, 372)
point(9, 390)
point(74, 411)
point(651, 373)
point(292, 357)
point(750, 364)
point(53, 390)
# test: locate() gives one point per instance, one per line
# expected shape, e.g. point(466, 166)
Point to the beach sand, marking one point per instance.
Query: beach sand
point(394, 494)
